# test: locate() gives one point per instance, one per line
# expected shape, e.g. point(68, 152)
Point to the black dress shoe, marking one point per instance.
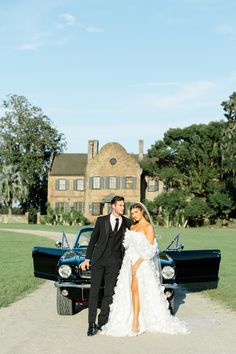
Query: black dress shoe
point(99, 327)
point(92, 329)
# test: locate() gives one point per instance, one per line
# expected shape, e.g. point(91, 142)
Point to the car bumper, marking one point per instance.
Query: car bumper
point(170, 286)
point(59, 284)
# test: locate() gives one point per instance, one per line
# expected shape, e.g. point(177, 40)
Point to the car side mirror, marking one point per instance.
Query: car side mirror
point(180, 247)
point(58, 244)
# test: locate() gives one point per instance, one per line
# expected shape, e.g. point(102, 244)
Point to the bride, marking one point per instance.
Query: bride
point(139, 304)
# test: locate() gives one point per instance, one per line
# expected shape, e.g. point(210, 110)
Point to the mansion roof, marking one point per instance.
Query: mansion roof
point(67, 164)
point(71, 164)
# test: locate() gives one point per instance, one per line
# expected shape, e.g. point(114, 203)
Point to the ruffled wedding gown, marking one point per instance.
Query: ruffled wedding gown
point(154, 314)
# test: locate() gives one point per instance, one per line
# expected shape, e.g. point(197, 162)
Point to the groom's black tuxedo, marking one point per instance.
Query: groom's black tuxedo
point(105, 250)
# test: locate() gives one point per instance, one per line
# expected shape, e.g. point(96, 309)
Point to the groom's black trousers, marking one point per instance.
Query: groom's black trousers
point(107, 269)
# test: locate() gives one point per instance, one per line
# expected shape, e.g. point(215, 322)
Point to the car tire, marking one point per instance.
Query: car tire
point(65, 306)
point(172, 305)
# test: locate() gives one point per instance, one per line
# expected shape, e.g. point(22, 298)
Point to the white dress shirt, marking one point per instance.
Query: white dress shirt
point(113, 221)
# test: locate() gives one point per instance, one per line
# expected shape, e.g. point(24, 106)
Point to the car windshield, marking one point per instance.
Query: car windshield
point(84, 238)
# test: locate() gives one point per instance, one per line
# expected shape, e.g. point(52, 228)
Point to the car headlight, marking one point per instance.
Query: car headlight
point(64, 271)
point(168, 272)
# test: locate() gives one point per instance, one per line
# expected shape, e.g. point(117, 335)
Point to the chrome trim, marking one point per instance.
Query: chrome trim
point(170, 286)
point(85, 274)
point(58, 284)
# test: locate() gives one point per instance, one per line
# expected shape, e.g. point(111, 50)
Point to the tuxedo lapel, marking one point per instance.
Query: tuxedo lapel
point(107, 225)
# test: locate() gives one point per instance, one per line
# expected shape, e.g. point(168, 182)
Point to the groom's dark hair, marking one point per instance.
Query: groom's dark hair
point(117, 198)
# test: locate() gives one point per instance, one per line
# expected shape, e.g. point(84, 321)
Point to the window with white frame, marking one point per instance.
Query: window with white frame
point(79, 206)
point(62, 206)
point(112, 182)
point(96, 209)
point(128, 182)
point(96, 182)
point(62, 184)
point(152, 185)
point(79, 184)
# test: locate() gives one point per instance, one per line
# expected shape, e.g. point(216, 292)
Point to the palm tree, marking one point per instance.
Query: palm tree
point(12, 188)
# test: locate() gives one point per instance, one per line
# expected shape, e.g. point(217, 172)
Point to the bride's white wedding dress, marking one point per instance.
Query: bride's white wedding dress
point(154, 314)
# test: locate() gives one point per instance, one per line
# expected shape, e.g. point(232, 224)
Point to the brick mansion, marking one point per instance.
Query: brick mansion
point(88, 182)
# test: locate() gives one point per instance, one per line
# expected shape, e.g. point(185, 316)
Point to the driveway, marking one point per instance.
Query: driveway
point(31, 326)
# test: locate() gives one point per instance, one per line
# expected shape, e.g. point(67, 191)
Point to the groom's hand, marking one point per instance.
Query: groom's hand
point(84, 265)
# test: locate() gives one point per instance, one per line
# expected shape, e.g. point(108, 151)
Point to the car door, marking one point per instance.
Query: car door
point(45, 261)
point(196, 265)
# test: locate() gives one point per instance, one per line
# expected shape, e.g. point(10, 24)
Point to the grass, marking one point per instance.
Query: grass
point(16, 266)
point(206, 238)
point(17, 269)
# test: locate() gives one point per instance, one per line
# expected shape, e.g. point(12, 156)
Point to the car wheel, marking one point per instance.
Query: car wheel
point(65, 306)
point(172, 305)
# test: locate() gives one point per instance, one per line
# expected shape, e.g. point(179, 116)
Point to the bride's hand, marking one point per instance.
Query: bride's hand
point(136, 266)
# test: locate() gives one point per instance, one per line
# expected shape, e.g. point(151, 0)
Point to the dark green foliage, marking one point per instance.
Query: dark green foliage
point(27, 140)
point(195, 211)
point(230, 107)
point(60, 217)
point(199, 160)
point(12, 186)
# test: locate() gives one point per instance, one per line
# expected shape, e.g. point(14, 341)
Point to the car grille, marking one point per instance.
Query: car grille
point(86, 274)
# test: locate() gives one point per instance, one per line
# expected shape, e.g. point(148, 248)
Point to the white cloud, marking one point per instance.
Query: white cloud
point(227, 30)
point(30, 46)
point(36, 42)
point(68, 19)
point(188, 94)
point(94, 29)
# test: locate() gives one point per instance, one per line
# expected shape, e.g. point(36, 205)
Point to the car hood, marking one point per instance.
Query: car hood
point(166, 260)
point(70, 257)
point(73, 258)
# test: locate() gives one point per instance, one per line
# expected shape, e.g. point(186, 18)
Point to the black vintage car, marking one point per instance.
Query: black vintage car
point(61, 264)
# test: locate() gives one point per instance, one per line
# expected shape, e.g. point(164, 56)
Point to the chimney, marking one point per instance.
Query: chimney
point(92, 148)
point(141, 148)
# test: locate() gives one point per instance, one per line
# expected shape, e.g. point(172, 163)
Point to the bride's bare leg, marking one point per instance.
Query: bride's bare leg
point(135, 303)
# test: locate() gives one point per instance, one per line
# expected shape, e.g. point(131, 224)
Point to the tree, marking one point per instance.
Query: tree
point(229, 137)
point(230, 107)
point(187, 158)
point(195, 211)
point(220, 204)
point(27, 140)
point(12, 188)
point(190, 159)
point(170, 207)
point(228, 146)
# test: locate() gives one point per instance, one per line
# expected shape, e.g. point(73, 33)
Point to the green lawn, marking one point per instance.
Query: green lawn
point(204, 238)
point(17, 270)
point(16, 265)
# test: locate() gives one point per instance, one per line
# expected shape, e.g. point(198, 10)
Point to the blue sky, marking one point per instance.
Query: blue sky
point(119, 70)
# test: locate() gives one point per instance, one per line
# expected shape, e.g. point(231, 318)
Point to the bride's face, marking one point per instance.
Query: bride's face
point(136, 214)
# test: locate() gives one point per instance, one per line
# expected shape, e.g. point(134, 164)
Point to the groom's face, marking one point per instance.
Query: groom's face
point(118, 207)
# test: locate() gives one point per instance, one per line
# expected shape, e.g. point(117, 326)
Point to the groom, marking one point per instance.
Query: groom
point(105, 252)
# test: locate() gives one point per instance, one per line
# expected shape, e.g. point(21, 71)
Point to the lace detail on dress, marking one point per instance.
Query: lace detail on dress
point(154, 313)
